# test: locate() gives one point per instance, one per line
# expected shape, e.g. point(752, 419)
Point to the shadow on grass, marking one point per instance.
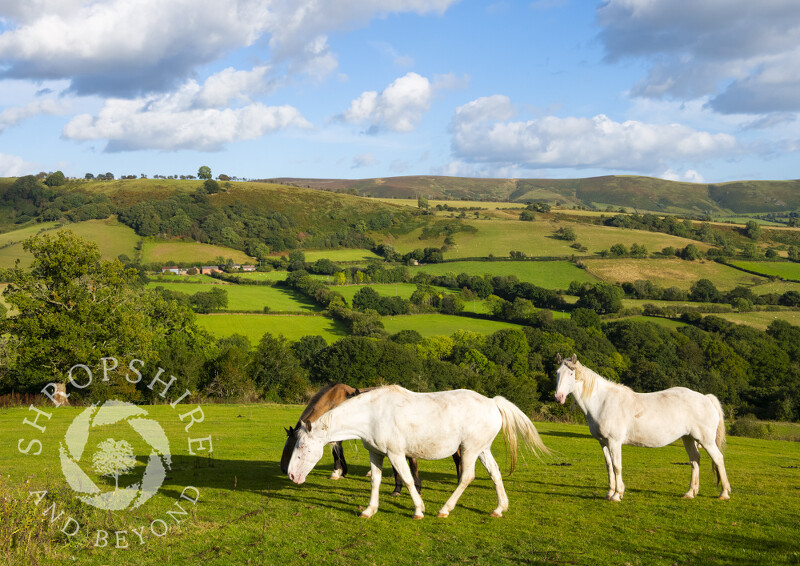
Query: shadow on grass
point(565, 434)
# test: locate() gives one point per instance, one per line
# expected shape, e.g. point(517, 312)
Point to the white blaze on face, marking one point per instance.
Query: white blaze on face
point(307, 453)
point(565, 383)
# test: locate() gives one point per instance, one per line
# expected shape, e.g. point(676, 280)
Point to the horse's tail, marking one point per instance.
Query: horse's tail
point(720, 439)
point(515, 423)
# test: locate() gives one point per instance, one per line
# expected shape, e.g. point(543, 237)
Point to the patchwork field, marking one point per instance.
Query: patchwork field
point(341, 255)
point(547, 274)
point(670, 272)
point(168, 253)
point(250, 297)
point(762, 319)
point(248, 511)
point(254, 326)
point(783, 269)
point(499, 237)
point(112, 237)
point(441, 324)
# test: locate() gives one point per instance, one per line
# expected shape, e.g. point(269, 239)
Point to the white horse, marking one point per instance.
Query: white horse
point(617, 415)
point(394, 422)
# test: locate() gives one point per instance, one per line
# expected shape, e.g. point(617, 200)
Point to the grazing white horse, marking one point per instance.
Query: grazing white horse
point(394, 422)
point(617, 415)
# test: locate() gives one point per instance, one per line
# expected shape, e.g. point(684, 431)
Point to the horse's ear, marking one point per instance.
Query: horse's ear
point(558, 358)
point(574, 358)
point(353, 394)
point(288, 431)
point(307, 425)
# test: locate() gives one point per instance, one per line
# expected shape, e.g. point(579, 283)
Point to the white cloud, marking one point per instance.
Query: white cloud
point(13, 166)
point(688, 176)
point(363, 160)
point(14, 115)
point(483, 133)
point(124, 47)
point(398, 108)
point(743, 55)
point(188, 118)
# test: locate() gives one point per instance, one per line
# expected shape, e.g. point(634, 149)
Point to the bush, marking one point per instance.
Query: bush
point(749, 426)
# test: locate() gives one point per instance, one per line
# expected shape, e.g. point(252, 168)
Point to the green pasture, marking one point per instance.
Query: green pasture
point(672, 324)
point(779, 287)
point(343, 255)
point(172, 278)
point(112, 238)
point(548, 274)
point(670, 272)
point(405, 290)
point(275, 276)
point(249, 512)
point(254, 326)
point(762, 319)
point(169, 253)
point(441, 324)
point(249, 297)
point(783, 269)
point(499, 237)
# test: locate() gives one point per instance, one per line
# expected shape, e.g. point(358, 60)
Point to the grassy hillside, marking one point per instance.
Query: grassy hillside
point(643, 193)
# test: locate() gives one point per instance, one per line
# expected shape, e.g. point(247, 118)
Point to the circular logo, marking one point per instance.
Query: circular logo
point(114, 457)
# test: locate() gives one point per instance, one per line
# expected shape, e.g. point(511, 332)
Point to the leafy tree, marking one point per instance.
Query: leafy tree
point(367, 298)
point(277, 371)
point(527, 216)
point(690, 253)
point(422, 202)
point(204, 173)
point(704, 291)
point(451, 304)
point(567, 233)
point(211, 186)
point(55, 179)
point(752, 230)
point(619, 250)
point(307, 348)
point(602, 298)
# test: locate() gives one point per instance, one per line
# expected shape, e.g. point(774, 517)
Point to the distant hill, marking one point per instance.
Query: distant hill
point(642, 193)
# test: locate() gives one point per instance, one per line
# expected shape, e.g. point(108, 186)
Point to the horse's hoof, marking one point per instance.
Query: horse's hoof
point(688, 496)
point(443, 515)
point(724, 497)
point(417, 517)
point(365, 516)
point(395, 493)
point(496, 514)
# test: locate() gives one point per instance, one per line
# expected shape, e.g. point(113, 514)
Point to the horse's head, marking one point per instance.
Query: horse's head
point(565, 377)
point(307, 451)
point(288, 448)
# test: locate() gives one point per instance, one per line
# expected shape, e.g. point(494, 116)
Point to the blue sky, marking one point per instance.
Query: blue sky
point(695, 90)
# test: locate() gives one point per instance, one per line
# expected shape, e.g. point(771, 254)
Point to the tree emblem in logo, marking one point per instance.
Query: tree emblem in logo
point(114, 458)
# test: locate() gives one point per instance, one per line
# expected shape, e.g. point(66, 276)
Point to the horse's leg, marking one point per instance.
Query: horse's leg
point(376, 467)
point(398, 481)
point(491, 466)
point(612, 480)
point(339, 463)
point(457, 462)
point(615, 451)
point(719, 468)
point(467, 475)
point(403, 470)
point(694, 457)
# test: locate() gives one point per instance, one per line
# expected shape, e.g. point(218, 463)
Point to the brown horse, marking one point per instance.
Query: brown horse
point(323, 401)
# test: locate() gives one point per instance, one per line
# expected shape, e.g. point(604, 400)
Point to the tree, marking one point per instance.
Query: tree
point(55, 179)
point(204, 173)
point(619, 250)
point(211, 186)
point(704, 291)
point(602, 298)
point(113, 458)
point(527, 216)
point(367, 298)
point(422, 202)
point(567, 233)
point(752, 229)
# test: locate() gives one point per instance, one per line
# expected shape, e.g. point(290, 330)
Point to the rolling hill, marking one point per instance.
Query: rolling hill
point(642, 193)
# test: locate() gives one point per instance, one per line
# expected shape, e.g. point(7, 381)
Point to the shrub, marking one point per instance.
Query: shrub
point(749, 426)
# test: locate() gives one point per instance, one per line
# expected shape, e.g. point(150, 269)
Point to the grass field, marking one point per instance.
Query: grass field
point(248, 512)
point(783, 269)
point(670, 272)
point(250, 297)
point(499, 237)
point(168, 253)
point(548, 274)
point(343, 255)
point(441, 324)
point(172, 278)
point(112, 237)
point(762, 319)
point(254, 326)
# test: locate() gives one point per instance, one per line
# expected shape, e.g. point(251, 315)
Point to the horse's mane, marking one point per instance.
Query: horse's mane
point(312, 410)
point(589, 378)
point(324, 421)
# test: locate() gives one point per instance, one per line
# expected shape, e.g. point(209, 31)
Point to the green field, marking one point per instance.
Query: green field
point(783, 269)
point(172, 278)
point(249, 297)
point(169, 253)
point(343, 254)
point(670, 272)
point(665, 322)
point(441, 324)
point(762, 319)
point(249, 512)
point(274, 276)
point(548, 274)
point(112, 237)
point(254, 326)
point(499, 237)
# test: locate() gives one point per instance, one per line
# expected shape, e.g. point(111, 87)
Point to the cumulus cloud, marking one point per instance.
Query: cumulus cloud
point(484, 133)
point(14, 115)
point(124, 48)
point(13, 166)
point(743, 55)
point(399, 107)
point(190, 118)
